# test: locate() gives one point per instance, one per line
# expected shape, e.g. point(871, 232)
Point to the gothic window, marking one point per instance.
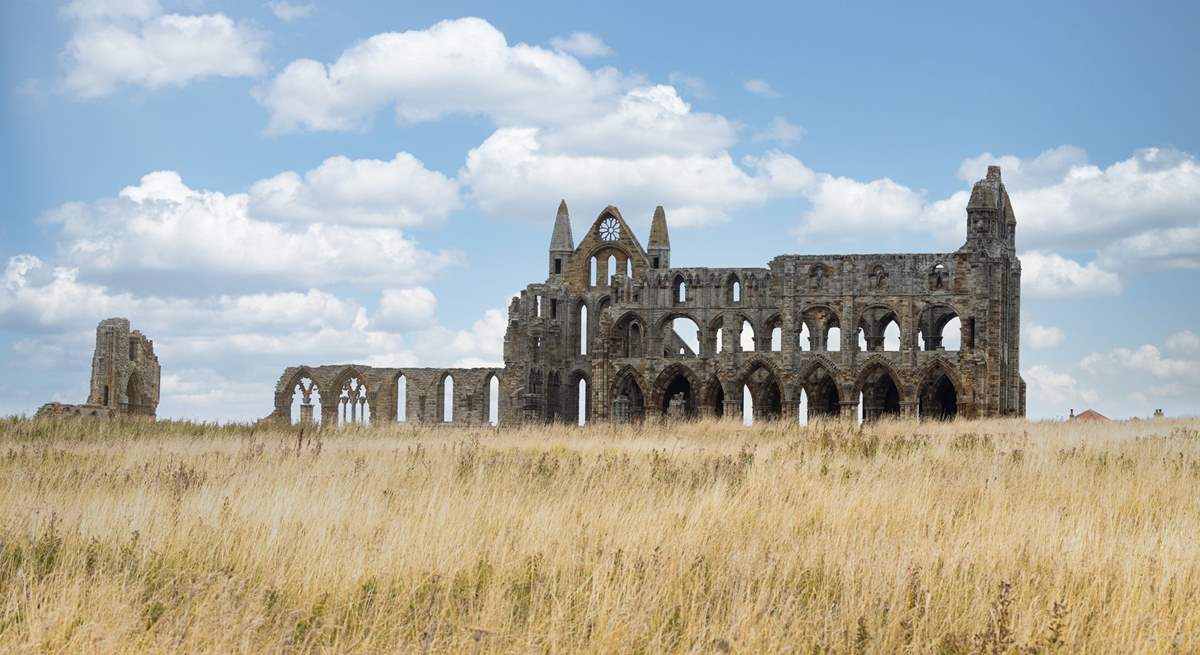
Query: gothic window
point(939, 277)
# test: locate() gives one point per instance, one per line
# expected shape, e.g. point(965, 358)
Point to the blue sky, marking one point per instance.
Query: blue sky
point(264, 184)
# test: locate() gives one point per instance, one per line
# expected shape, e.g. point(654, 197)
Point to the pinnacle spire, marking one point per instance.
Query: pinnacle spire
point(658, 230)
point(561, 238)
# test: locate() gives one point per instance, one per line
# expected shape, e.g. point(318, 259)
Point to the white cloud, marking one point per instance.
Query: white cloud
point(1139, 211)
point(761, 88)
point(1185, 342)
point(1146, 358)
point(1050, 392)
point(1042, 337)
point(405, 308)
point(289, 11)
point(780, 131)
point(162, 234)
point(511, 174)
point(115, 43)
point(1050, 275)
point(396, 193)
point(581, 44)
point(462, 66)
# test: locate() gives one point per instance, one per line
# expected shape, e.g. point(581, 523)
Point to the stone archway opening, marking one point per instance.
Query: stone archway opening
point(821, 392)
point(939, 398)
point(306, 402)
point(766, 395)
point(717, 397)
point(880, 395)
point(629, 402)
point(678, 397)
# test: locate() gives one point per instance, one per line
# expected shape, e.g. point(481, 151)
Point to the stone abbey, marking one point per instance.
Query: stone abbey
point(616, 333)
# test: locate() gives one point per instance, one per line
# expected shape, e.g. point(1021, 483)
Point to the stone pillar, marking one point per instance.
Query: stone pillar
point(849, 409)
point(306, 413)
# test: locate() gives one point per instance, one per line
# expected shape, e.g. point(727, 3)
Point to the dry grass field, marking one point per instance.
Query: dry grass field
point(990, 536)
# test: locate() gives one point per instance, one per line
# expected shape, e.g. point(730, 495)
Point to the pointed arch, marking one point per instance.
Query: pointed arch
point(821, 390)
point(676, 379)
point(878, 386)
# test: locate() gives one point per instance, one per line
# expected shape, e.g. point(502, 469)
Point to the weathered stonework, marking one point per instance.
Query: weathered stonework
point(606, 316)
point(125, 376)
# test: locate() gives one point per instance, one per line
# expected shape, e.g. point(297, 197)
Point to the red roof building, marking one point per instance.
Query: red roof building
point(1088, 415)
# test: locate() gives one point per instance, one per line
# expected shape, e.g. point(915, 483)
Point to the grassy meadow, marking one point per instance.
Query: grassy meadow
point(997, 536)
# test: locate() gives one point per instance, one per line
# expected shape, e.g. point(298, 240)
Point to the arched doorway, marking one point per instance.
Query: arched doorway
point(765, 392)
point(939, 397)
point(821, 392)
point(677, 393)
point(880, 394)
point(629, 402)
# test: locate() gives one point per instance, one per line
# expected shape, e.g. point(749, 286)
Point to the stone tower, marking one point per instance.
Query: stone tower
point(125, 370)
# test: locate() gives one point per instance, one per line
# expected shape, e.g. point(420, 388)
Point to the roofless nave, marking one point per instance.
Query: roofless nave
point(604, 336)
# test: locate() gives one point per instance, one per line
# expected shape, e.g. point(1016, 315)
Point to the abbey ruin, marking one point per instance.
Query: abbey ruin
point(125, 376)
point(616, 333)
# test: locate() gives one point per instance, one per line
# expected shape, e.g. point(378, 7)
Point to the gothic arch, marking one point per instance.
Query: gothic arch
point(665, 384)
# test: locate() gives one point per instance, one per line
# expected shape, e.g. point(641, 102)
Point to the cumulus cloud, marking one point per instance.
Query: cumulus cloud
point(779, 130)
point(462, 66)
point(162, 234)
point(404, 308)
point(396, 193)
point(1050, 392)
point(510, 173)
point(693, 84)
point(1185, 343)
point(135, 43)
point(581, 44)
point(222, 353)
point(1042, 337)
point(1050, 275)
point(291, 11)
point(760, 88)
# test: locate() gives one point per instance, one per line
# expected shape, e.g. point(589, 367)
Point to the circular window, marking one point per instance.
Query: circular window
point(610, 229)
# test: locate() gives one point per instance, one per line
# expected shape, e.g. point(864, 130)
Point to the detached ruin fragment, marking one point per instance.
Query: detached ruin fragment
point(125, 376)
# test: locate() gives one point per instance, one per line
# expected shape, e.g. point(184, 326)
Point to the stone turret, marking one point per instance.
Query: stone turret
point(991, 224)
point(562, 244)
point(659, 248)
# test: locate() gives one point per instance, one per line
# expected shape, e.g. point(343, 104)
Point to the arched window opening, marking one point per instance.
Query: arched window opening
point(802, 409)
point(720, 340)
point(583, 329)
point(353, 405)
point(448, 399)
point(735, 292)
point(402, 399)
point(776, 339)
point(952, 334)
point(891, 336)
point(306, 403)
point(803, 342)
point(493, 400)
point(859, 417)
point(835, 339)
point(746, 338)
point(611, 268)
point(862, 340)
point(581, 408)
point(939, 329)
point(747, 406)
point(679, 291)
point(628, 268)
point(592, 279)
point(718, 397)
point(629, 403)
point(682, 338)
point(539, 305)
point(634, 342)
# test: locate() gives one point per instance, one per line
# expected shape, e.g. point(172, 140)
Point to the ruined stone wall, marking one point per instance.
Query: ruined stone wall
point(125, 380)
point(603, 324)
point(345, 394)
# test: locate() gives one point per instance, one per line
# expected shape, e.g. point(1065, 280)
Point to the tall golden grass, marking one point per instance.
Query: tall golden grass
point(710, 537)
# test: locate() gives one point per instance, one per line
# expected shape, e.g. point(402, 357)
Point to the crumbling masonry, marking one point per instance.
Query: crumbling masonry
point(603, 338)
point(125, 376)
